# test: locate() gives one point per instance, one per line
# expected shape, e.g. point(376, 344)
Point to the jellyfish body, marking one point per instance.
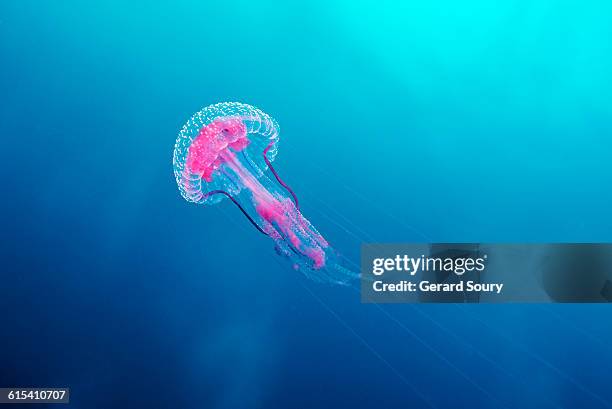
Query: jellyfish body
point(226, 151)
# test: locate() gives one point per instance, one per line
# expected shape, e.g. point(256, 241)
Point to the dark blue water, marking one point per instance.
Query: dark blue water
point(444, 121)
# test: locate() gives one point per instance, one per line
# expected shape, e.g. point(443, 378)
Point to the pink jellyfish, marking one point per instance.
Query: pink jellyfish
point(225, 151)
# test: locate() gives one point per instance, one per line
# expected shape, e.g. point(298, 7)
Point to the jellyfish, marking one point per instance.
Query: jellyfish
point(225, 152)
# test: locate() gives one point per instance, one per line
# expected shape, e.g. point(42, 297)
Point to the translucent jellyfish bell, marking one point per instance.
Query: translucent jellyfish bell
point(262, 133)
point(226, 151)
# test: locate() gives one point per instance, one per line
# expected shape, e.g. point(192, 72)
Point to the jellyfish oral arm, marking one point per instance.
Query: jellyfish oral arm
point(244, 212)
point(280, 214)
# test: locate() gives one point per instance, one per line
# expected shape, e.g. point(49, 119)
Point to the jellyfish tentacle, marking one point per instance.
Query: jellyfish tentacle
point(223, 192)
point(278, 179)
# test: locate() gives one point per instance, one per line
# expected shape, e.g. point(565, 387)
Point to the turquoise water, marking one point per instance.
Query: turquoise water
point(441, 121)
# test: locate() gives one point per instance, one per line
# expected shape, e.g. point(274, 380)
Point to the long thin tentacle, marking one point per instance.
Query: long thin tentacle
point(223, 192)
point(280, 181)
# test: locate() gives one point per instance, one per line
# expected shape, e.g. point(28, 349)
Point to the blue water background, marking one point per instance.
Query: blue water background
point(400, 121)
